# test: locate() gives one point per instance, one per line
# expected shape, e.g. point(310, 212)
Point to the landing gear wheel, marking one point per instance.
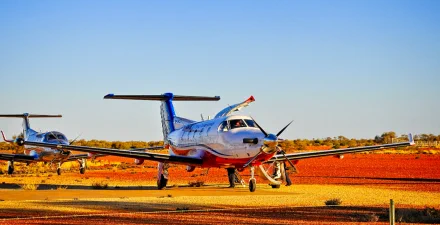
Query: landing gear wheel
point(252, 185)
point(82, 170)
point(59, 171)
point(275, 186)
point(10, 167)
point(10, 170)
point(162, 182)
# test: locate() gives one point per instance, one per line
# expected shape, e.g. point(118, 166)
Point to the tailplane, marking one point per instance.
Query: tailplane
point(26, 126)
point(167, 113)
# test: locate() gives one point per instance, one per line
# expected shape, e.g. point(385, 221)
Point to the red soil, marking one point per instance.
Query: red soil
point(411, 172)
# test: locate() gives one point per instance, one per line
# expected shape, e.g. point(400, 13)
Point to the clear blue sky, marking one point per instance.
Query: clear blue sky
point(354, 68)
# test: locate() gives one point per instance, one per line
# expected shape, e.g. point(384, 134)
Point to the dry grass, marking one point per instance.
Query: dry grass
point(197, 183)
point(29, 187)
point(100, 185)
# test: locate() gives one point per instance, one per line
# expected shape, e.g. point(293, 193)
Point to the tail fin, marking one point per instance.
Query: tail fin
point(167, 112)
point(26, 126)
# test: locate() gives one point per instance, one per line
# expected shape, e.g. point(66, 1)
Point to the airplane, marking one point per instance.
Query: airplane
point(234, 142)
point(41, 154)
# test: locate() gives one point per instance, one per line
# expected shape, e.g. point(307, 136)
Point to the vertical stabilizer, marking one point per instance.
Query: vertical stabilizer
point(27, 130)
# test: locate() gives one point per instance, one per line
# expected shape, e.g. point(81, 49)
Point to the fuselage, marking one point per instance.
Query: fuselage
point(219, 142)
point(45, 154)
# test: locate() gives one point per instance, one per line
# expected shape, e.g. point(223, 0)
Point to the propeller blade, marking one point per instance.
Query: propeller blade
point(73, 141)
point(288, 160)
point(264, 132)
point(281, 131)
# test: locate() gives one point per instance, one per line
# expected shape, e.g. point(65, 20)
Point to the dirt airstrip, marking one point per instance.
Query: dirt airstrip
point(363, 182)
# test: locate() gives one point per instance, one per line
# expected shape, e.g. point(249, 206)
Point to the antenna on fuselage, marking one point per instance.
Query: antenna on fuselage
point(201, 115)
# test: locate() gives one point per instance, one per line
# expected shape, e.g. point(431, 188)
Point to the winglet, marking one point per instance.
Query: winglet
point(411, 139)
point(250, 99)
point(4, 138)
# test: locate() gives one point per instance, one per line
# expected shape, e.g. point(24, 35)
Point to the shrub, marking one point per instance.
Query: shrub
point(333, 201)
point(359, 217)
point(426, 215)
point(29, 187)
point(100, 185)
point(197, 183)
point(182, 209)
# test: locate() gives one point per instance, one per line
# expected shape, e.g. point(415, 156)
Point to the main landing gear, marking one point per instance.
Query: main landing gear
point(82, 165)
point(10, 167)
point(162, 175)
point(59, 169)
point(252, 181)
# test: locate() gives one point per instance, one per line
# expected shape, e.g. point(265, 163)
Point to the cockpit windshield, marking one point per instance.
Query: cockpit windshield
point(250, 123)
point(52, 136)
point(236, 124)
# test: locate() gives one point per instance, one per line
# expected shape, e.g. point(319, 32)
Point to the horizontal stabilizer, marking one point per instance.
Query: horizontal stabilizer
point(29, 115)
point(164, 97)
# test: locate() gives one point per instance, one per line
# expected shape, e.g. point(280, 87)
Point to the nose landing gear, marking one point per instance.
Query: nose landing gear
point(252, 181)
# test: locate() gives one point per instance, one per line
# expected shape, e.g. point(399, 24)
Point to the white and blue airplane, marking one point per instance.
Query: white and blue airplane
point(228, 141)
point(41, 154)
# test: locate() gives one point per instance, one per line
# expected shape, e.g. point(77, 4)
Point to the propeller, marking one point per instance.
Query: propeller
point(73, 141)
point(270, 143)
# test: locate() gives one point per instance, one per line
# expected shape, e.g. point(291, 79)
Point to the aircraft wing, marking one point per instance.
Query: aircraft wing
point(16, 157)
point(314, 154)
point(123, 153)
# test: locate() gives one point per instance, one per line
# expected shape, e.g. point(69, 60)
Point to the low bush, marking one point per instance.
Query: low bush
point(29, 187)
point(426, 215)
point(197, 183)
point(360, 217)
point(100, 185)
point(333, 201)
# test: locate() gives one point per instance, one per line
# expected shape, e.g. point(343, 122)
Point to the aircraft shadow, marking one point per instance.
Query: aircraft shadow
point(421, 180)
point(13, 186)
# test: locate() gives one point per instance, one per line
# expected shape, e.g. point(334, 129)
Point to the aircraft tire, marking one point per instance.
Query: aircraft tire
point(275, 186)
point(252, 185)
point(162, 182)
point(59, 171)
point(10, 170)
point(82, 170)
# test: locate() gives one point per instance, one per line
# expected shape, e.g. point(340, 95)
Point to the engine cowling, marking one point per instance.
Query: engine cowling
point(138, 161)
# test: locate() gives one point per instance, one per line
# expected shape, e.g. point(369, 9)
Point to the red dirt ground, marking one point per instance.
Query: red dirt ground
point(409, 172)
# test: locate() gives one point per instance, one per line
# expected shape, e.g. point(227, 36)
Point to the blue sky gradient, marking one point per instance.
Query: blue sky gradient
point(352, 68)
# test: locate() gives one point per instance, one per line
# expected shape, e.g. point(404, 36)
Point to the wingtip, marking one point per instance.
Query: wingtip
point(109, 95)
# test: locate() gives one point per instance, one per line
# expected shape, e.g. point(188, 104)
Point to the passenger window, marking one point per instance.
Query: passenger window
point(223, 126)
point(237, 123)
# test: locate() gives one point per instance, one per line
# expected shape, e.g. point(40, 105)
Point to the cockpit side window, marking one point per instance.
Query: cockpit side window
point(51, 137)
point(250, 123)
point(237, 124)
point(61, 137)
point(223, 126)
